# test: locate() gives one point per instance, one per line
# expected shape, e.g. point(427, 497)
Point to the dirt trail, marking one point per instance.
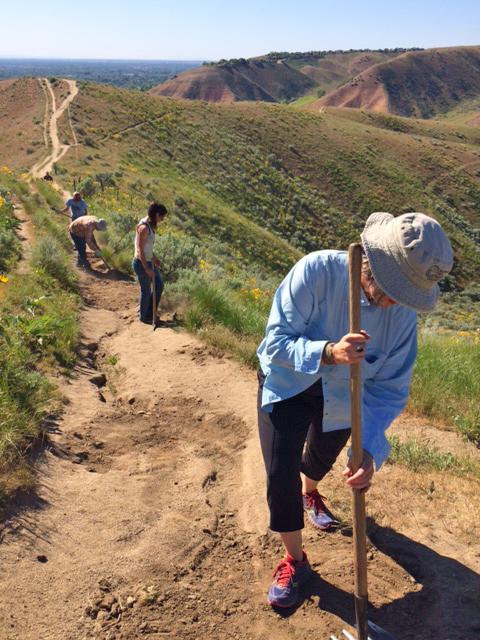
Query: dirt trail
point(150, 516)
point(58, 150)
point(25, 234)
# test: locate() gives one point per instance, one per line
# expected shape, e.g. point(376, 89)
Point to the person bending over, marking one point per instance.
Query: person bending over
point(304, 377)
point(82, 233)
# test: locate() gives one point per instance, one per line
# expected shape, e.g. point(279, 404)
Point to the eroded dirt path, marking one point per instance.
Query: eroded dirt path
point(53, 114)
point(150, 517)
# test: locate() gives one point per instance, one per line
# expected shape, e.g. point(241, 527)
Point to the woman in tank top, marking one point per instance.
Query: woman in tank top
point(145, 263)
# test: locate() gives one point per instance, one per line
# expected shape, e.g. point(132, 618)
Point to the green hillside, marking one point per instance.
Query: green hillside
point(289, 176)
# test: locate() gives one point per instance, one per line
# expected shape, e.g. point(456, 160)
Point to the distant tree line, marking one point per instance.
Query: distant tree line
point(224, 63)
point(275, 56)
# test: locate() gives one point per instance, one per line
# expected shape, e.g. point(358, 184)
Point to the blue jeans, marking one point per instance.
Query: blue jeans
point(80, 246)
point(146, 297)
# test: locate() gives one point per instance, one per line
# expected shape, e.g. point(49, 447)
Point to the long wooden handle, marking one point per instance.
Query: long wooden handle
point(359, 522)
point(154, 299)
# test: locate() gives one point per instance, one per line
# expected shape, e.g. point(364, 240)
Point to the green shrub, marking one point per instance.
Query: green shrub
point(87, 188)
point(9, 248)
point(49, 256)
point(175, 254)
point(417, 457)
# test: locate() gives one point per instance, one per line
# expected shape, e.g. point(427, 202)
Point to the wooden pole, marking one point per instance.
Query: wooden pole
point(154, 299)
point(359, 521)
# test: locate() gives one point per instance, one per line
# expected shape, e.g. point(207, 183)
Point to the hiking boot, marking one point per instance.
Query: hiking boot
point(318, 514)
point(290, 575)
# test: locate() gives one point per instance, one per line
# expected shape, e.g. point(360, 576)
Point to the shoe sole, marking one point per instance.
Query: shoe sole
point(319, 527)
point(273, 603)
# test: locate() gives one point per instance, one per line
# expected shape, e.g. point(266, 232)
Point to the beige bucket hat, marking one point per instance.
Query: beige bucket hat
point(101, 224)
point(408, 256)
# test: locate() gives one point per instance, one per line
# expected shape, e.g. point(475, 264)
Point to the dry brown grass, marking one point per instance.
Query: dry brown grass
point(22, 109)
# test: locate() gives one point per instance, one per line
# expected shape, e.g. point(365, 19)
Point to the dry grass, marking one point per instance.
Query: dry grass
point(22, 105)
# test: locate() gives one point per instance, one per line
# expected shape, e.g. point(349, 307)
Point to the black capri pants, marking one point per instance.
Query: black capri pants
point(283, 434)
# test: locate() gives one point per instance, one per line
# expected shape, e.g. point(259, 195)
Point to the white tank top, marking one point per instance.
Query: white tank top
point(148, 246)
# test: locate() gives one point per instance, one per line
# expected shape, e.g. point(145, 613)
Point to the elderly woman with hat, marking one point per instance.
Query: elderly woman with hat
point(304, 388)
point(82, 233)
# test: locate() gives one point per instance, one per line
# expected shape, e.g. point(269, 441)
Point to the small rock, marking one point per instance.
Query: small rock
point(131, 399)
point(131, 601)
point(101, 397)
point(42, 559)
point(107, 602)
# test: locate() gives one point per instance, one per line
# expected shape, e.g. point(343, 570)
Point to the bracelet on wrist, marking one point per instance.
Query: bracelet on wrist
point(327, 356)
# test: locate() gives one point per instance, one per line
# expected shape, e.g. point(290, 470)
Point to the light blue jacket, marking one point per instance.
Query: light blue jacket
point(311, 308)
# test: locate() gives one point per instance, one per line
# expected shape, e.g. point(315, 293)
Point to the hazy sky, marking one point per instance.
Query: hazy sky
point(214, 29)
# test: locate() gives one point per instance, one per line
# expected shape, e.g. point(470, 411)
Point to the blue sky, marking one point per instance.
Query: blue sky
point(214, 29)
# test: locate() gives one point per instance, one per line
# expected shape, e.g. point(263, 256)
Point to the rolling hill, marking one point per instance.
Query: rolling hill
point(335, 69)
point(417, 84)
point(271, 78)
point(260, 184)
point(267, 181)
point(247, 80)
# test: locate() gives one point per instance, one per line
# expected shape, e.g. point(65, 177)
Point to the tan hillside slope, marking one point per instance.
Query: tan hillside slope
point(23, 133)
point(334, 69)
point(254, 80)
point(415, 84)
point(360, 93)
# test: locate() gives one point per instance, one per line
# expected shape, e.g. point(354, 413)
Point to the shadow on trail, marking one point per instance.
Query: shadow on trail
point(114, 275)
point(445, 608)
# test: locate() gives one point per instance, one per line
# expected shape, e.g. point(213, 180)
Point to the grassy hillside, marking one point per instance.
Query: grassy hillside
point(255, 186)
point(245, 80)
point(307, 179)
point(418, 84)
